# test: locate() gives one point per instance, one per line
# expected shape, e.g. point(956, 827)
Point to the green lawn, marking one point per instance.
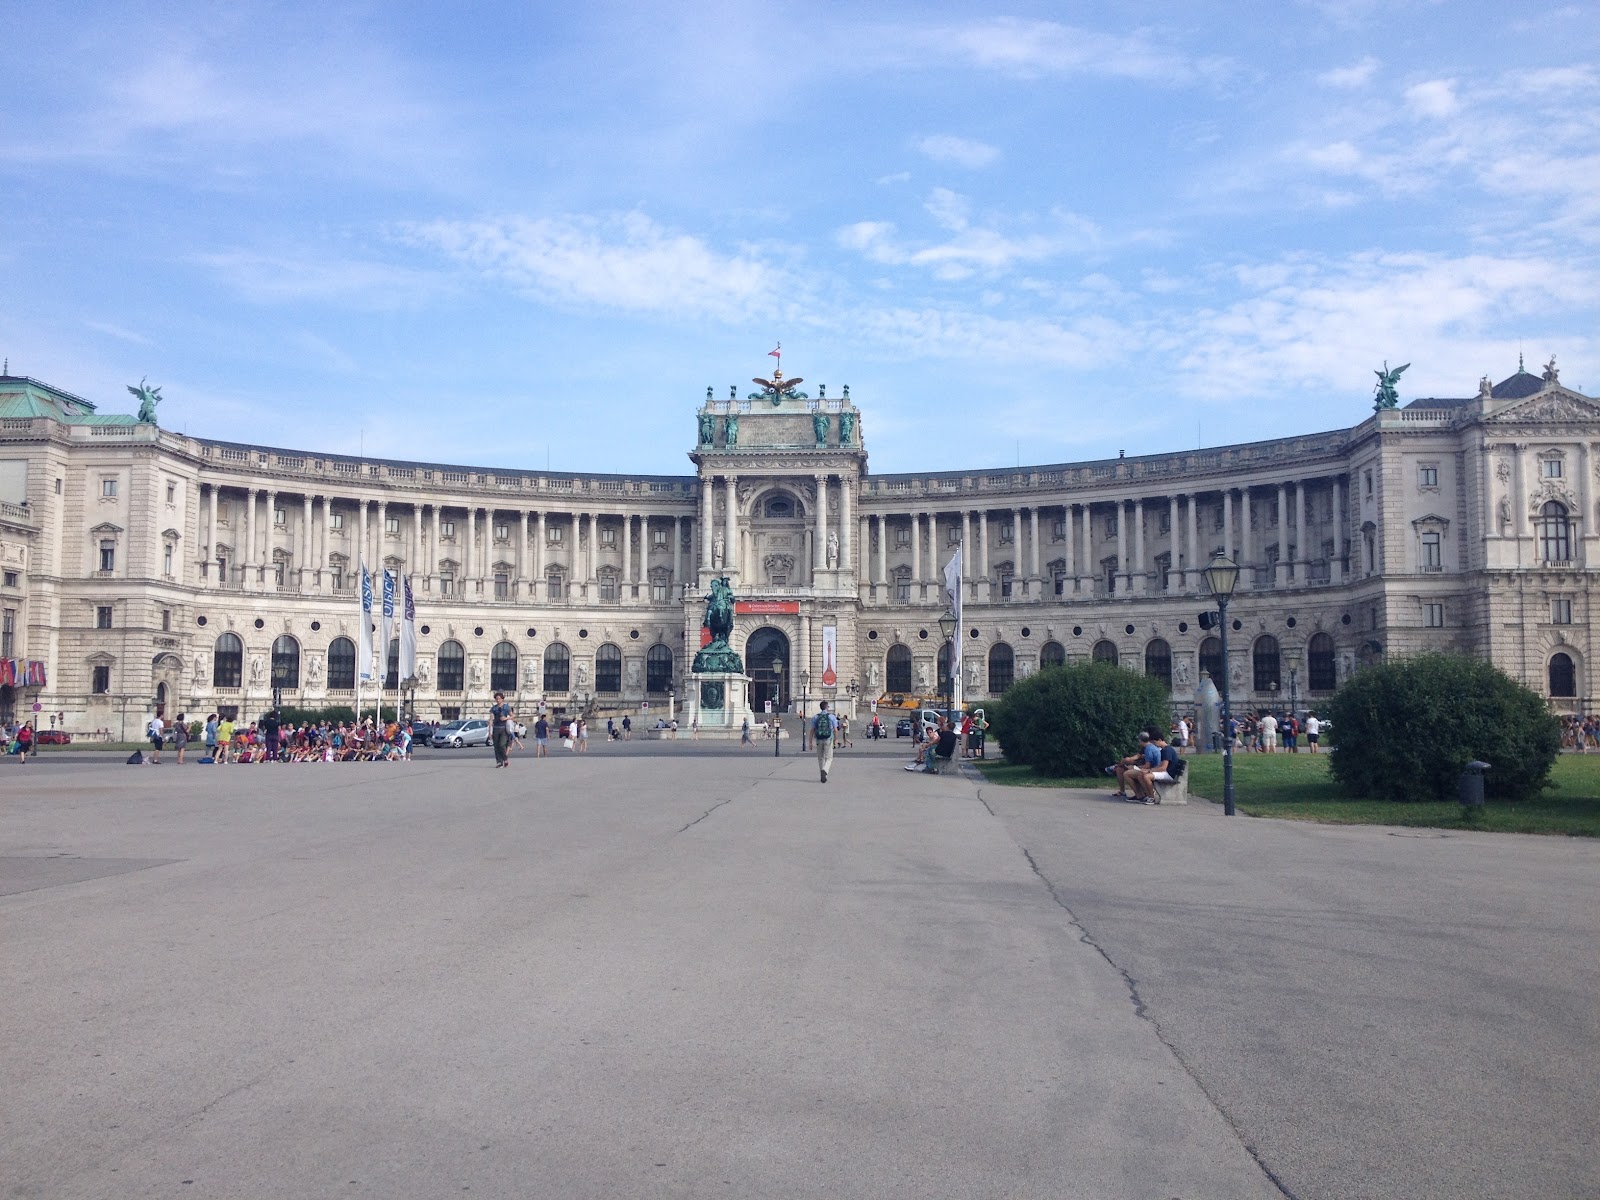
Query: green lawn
point(1297, 787)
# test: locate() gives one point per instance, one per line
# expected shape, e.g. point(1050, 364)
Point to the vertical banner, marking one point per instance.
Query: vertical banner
point(364, 642)
point(830, 656)
point(408, 632)
point(952, 587)
point(386, 626)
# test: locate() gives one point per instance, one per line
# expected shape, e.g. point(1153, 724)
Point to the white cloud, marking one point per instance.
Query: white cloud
point(963, 152)
point(950, 209)
point(291, 278)
point(970, 250)
point(1434, 98)
point(1031, 48)
point(1356, 75)
point(626, 262)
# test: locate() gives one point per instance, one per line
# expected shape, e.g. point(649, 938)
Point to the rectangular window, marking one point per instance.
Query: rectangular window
point(1111, 526)
point(447, 529)
point(108, 488)
point(280, 517)
point(391, 526)
point(166, 620)
point(337, 576)
point(1366, 477)
point(222, 571)
point(12, 579)
point(450, 712)
point(8, 632)
point(608, 536)
point(166, 560)
point(659, 538)
point(552, 585)
point(1431, 560)
point(658, 592)
point(1164, 521)
point(1434, 616)
point(102, 681)
point(1561, 611)
point(172, 493)
point(1061, 584)
point(902, 588)
point(952, 536)
point(902, 536)
point(608, 587)
point(555, 533)
point(447, 585)
point(278, 572)
point(336, 520)
point(1005, 586)
point(1058, 529)
point(108, 556)
point(102, 617)
point(1008, 533)
point(1428, 477)
point(1552, 468)
point(502, 533)
point(502, 586)
point(58, 486)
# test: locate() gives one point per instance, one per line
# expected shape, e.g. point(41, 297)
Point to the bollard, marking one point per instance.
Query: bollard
point(1472, 784)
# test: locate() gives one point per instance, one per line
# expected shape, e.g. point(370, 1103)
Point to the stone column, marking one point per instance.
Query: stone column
point(1193, 581)
point(708, 522)
point(883, 549)
point(676, 590)
point(435, 541)
point(628, 577)
point(1033, 544)
point(983, 547)
point(1227, 523)
point(522, 550)
point(863, 550)
point(268, 538)
point(211, 547)
point(320, 539)
point(819, 537)
point(305, 543)
point(246, 552)
point(846, 527)
point(1281, 570)
point(1302, 552)
point(1122, 547)
point(1069, 526)
point(1247, 549)
point(730, 535)
point(361, 553)
point(1177, 579)
point(1336, 563)
point(1141, 580)
point(538, 552)
point(1089, 564)
point(916, 556)
point(591, 568)
point(968, 549)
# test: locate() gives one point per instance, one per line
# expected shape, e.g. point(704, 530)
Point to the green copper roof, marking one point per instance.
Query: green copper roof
point(24, 397)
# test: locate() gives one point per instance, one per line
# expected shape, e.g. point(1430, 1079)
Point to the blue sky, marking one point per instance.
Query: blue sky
point(510, 234)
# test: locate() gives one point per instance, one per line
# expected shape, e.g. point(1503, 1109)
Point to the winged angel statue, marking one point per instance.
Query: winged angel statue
point(1386, 396)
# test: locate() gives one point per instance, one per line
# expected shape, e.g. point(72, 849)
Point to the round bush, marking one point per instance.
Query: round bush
point(1403, 730)
point(1075, 720)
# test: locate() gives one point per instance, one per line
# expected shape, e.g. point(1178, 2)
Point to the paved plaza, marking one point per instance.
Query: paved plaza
point(694, 971)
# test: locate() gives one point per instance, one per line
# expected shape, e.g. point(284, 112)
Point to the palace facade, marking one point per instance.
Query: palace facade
point(144, 569)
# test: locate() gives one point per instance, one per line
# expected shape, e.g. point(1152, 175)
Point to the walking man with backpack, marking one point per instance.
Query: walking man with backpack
point(823, 727)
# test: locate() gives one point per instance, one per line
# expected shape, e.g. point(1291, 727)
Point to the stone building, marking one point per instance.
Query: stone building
point(145, 569)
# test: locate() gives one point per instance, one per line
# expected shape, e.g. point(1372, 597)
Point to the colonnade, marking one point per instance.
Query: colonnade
point(453, 549)
point(828, 488)
point(1103, 547)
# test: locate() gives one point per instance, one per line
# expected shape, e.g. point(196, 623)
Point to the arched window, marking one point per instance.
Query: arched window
point(503, 668)
point(1002, 668)
point(1265, 660)
point(1106, 652)
point(557, 667)
point(608, 669)
point(658, 669)
point(452, 667)
point(391, 665)
point(1563, 677)
point(341, 664)
point(1319, 658)
point(227, 662)
point(944, 670)
point(285, 662)
point(1158, 661)
point(1211, 660)
point(1555, 533)
point(898, 676)
point(1052, 654)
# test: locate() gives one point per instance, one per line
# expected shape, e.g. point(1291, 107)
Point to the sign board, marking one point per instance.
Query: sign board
point(830, 656)
point(769, 705)
point(766, 607)
point(37, 707)
point(645, 707)
point(874, 706)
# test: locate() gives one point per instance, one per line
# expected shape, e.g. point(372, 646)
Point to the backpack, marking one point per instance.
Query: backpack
point(1177, 767)
point(822, 727)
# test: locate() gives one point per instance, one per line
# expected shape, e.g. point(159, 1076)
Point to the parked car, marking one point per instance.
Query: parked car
point(902, 727)
point(422, 732)
point(53, 737)
point(456, 734)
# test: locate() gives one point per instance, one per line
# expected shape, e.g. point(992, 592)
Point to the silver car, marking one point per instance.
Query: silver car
point(456, 734)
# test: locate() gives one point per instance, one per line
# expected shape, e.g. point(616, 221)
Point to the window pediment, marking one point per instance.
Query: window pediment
point(1432, 523)
point(106, 527)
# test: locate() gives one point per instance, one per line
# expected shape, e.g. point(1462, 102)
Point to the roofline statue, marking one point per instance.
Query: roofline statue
point(1384, 394)
point(149, 397)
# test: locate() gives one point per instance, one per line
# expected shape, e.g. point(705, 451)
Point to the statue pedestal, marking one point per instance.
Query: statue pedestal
point(718, 702)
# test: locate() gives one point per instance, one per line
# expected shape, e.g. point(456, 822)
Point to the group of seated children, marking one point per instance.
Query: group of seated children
point(366, 741)
point(1154, 762)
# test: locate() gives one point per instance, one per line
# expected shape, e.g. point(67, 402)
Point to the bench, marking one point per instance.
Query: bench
point(946, 765)
point(1176, 792)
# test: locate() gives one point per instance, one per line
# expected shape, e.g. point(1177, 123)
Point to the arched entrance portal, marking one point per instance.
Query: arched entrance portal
point(765, 649)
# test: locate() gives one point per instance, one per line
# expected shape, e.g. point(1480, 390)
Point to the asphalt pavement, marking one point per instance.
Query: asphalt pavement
point(685, 973)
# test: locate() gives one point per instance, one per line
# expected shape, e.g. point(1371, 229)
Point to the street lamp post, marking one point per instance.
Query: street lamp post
point(777, 706)
point(1294, 691)
point(947, 626)
point(1221, 576)
point(805, 688)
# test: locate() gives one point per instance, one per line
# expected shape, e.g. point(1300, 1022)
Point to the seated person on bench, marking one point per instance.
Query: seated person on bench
point(941, 746)
point(1143, 780)
point(1147, 756)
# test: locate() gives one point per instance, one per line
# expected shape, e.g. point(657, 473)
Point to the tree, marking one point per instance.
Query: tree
point(1404, 730)
point(1075, 720)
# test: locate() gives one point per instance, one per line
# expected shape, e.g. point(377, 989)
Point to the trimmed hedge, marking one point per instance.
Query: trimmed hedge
point(1404, 730)
point(1075, 720)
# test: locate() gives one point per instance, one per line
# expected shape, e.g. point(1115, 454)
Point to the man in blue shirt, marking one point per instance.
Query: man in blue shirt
point(500, 728)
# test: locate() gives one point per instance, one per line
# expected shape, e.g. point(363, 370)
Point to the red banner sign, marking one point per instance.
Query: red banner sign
point(766, 607)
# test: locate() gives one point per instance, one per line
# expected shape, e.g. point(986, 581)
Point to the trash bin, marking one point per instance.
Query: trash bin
point(1472, 784)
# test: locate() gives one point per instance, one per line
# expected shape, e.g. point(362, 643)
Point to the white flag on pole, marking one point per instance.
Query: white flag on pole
point(364, 642)
point(386, 624)
point(408, 631)
point(952, 586)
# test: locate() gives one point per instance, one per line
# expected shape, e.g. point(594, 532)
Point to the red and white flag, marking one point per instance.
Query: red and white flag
point(777, 354)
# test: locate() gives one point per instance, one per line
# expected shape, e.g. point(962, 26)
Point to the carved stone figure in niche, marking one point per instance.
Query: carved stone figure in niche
point(424, 670)
point(314, 668)
point(583, 674)
point(1347, 666)
point(530, 670)
point(847, 428)
point(1238, 676)
point(833, 549)
point(717, 549)
point(477, 672)
point(257, 669)
point(924, 682)
point(1503, 514)
point(200, 666)
point(633, 674)
point(706, 428)
point(972, 675)
point(1180, 672)
point(872, 676)
point(819, 426)
point(730, 427)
